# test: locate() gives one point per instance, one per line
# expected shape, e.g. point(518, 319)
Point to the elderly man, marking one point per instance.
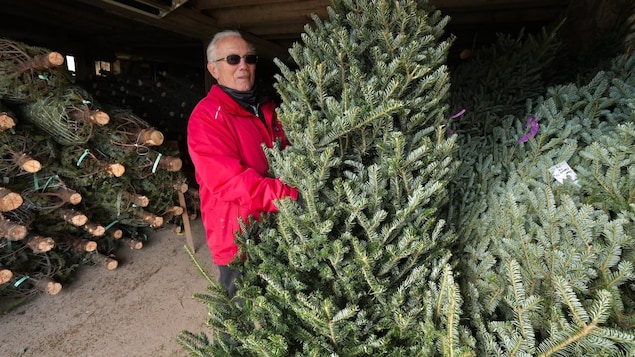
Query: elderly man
point(226, 132)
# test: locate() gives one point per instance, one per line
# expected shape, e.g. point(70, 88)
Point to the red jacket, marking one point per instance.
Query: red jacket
point(225, 144)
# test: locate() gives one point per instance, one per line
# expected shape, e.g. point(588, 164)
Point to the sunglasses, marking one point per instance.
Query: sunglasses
point(235, 59)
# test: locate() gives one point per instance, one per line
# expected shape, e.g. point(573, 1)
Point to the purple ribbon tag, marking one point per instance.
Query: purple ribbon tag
point(532, 125)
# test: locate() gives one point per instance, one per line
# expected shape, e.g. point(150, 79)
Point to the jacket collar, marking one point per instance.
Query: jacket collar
point(226, 101)
point(231, 106)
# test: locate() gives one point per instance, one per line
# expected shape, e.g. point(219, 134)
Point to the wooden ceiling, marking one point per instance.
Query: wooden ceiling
point(177, 30)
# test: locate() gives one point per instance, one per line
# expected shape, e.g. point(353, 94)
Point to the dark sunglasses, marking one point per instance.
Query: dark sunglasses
point(235, 59)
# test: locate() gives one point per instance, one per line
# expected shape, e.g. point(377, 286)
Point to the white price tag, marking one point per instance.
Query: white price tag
point(562, 172)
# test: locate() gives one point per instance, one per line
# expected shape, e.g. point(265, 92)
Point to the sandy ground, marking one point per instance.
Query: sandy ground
point(136, 310)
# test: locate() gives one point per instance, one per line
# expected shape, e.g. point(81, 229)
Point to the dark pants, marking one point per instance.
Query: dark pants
point(228, 277)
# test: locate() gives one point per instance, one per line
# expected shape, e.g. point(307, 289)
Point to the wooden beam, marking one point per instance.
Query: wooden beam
point(483, 5)
point(190, 23)
point(271, 13)
point(219, 4)
point(278, 30)
point(204, 28)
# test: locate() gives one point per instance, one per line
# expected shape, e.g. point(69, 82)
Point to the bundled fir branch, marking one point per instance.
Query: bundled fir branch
point(126, 135)
point(32, 273)
point(86, 167)
point(146, 163)
point(24, 150)
point(45, 191)
point(28, 73)
point(68, 115)
point(162, 190)
point(117, 203)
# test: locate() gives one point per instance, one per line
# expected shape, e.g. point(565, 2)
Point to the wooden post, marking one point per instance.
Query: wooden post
point(186, 222)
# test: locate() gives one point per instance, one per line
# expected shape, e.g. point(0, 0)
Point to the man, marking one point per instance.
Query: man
point(226, 131)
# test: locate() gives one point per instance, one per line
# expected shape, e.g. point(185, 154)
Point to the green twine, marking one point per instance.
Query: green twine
point(49, 181)
point(111, 224)
point(22, 280)
point(156, 163)
point(81, 158)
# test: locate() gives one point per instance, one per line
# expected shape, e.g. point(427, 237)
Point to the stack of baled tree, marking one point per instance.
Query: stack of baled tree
point(77, 180)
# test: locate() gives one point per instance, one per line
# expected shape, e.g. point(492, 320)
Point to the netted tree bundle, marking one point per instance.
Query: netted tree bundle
point(117, 203)
point(34, 229)
point(29, 72)
point(74, 241)
point(86, 167)
point(136, 216)
point(46, 191)
point(162, 189)
point(142, 218)
point(127, 130)
point(68, 115)
point(24, 150)
point(147, 163)
point(32, 273)
point(5, 275)
point(38, 243)
point(125, 137)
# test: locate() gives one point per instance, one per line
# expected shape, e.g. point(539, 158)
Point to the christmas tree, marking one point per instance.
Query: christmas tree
point(509, 234)
point(360, 266)
point(543, 202)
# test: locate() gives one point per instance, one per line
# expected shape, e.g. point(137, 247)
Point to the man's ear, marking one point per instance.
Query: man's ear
point(211, 68)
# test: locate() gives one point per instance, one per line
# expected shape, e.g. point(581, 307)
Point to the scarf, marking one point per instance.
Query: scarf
point(248, 99)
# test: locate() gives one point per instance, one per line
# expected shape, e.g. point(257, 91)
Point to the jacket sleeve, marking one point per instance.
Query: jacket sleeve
point(216, 150)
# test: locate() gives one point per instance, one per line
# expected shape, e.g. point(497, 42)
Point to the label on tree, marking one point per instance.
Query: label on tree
point(563, 171)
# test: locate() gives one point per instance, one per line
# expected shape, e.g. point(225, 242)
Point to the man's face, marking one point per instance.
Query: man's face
point(241, 76)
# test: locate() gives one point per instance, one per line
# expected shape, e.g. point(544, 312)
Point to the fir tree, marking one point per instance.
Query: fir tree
point(360, 266)
point(547, 260)
point(542, 260)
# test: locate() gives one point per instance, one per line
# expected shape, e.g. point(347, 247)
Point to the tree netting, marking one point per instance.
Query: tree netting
point(29, 72)
point(68, 116)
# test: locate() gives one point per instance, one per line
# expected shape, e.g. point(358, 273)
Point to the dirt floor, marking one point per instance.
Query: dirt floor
point(136, 310)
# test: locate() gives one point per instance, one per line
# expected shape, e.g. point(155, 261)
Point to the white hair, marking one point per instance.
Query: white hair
point(211, 48)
